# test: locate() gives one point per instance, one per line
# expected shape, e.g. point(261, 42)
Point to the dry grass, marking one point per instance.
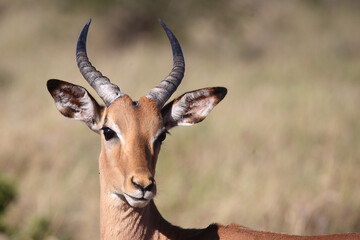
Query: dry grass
point(281, 153)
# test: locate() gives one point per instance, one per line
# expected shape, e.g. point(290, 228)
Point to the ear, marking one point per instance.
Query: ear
point(192, 107)
point(75, 102)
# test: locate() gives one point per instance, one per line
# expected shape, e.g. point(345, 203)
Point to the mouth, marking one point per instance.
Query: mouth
point(133, 201)
point(136, 202)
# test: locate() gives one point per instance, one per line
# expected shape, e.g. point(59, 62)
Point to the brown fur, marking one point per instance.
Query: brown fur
point(139, 124)
point(127, 162)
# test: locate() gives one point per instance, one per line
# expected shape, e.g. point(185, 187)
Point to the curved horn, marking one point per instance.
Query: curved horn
point(102, 85)
point(167, 87)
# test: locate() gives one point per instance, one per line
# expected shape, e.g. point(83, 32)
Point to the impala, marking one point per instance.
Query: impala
point(131, 136)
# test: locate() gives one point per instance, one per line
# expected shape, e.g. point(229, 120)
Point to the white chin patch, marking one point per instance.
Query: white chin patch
point(136, 203)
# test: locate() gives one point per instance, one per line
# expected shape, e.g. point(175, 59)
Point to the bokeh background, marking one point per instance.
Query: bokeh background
point(280, 153)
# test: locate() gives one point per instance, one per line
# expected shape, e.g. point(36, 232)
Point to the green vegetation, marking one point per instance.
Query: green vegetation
point(7, 196)
point(280, 153)
point(40, 229)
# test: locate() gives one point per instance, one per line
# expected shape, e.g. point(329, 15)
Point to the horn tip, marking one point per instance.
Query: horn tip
point(162, 24)
point(83, 36)
point(87, 23)
point(86, 27)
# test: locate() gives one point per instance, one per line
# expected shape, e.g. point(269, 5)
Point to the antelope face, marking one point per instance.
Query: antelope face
point(132, 135)
point(131, 131)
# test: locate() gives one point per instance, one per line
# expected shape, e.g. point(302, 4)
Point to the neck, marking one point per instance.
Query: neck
point(118, 220)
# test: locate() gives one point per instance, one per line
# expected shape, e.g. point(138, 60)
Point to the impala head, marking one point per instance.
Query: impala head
point(132, 131)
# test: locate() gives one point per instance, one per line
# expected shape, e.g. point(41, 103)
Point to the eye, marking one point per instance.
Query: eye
point(108, 133)
point(162, 137)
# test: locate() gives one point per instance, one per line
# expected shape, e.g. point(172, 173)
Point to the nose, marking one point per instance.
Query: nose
point(143, 184)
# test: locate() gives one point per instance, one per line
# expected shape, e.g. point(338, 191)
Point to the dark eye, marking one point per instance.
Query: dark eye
point(161, 137)
point(108, 133)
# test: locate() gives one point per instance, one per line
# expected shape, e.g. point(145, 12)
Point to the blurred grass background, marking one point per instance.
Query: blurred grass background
point(280, 153)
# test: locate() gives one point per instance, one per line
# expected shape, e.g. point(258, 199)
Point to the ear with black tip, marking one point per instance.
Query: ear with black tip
point(192, 107)
point(75, 102)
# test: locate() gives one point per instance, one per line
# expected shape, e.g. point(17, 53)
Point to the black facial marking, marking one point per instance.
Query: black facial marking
point(135, 103)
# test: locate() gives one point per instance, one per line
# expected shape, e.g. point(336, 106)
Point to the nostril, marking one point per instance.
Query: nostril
point(143, 187)
point(136, 184)
point(150, 185)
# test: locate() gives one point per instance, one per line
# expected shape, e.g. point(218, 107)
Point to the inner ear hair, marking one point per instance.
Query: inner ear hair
point(192, 107)
point(76, 102)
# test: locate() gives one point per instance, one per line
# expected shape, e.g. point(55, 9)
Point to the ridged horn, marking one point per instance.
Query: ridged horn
point(167, 87)
point(107, 91)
